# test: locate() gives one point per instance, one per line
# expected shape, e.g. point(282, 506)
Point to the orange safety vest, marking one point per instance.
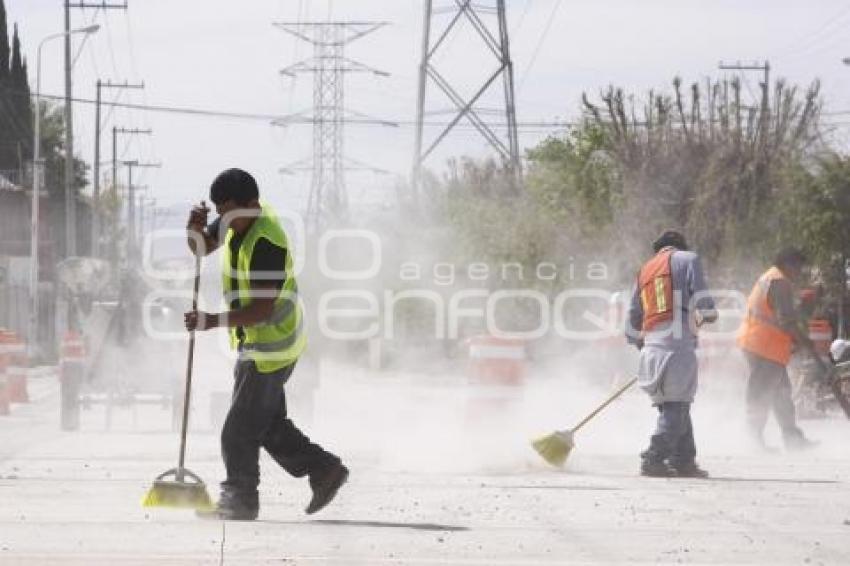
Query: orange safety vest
point(655, 282)
point(760, 333)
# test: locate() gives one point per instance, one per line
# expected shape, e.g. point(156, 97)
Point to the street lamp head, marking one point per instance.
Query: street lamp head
point(88, 29)
point(846, 60)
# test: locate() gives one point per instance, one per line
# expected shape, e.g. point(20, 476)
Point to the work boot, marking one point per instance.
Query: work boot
point(689, 470)
point(799, 443)
point(325, 486)
point(233, 507)
point(757, 443)
point(655, 469)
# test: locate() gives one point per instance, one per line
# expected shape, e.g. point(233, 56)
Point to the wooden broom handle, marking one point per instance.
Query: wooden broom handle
point(607, 402)
point(189, 363)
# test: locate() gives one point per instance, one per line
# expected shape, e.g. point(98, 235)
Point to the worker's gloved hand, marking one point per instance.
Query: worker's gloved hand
point(198, 217)
point(199, 320)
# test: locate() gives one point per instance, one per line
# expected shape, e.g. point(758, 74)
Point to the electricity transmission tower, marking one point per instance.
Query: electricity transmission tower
point(480, 16)
point(329, 65)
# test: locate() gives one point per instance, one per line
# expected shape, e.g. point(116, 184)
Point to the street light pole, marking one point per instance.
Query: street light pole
point(70, 205)
point(36, 189)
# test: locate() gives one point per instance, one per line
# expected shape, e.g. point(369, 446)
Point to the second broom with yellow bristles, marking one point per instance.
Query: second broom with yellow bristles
point(556, 447)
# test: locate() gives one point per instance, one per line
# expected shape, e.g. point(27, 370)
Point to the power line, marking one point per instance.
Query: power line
point(291, 119)
point(804, 44)
point(540, 42)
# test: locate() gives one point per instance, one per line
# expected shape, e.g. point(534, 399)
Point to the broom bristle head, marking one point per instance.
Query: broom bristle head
point(178, 495)
point(554, 447)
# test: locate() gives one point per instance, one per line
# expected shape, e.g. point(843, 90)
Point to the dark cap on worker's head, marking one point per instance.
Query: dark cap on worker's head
point(790, 257)
point(236, 185)
point(670, 238)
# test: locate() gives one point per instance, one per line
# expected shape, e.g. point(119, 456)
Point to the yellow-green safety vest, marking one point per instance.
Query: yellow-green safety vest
point(277, 342)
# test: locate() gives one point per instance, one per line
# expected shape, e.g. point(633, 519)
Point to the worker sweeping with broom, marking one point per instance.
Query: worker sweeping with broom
point(669, 302)
point(265, 322)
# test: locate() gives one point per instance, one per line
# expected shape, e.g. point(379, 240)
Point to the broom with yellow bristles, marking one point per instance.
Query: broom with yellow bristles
point(555, 447)
point(179, 487)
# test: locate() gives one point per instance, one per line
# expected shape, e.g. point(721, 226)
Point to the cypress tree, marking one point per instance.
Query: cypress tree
point(19, 100)
point(6, 144)
point(16, 64)
point(4, 43)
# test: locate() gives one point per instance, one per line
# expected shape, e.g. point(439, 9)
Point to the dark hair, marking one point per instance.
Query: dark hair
point(790, 257)
point(670, 238)
point(236, 185)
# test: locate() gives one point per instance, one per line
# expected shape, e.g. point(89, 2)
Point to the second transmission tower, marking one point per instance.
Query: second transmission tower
point(488, 21)
point(328, 199)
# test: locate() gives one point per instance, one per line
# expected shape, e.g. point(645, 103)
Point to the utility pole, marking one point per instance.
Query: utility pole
point(755, 66)
point(145, 204)
point(115, 131)
point(141, 191)
point(499, 45)
point(70, 203)
point(328, 198)
point(131, 206)
point(95, 227)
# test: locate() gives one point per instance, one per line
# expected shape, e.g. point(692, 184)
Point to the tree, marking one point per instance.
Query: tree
point(7, 145)
point(816, 215)
point(16, 116)
point(19, 104)
point(4, 43)
point(703, 162)
point(575, 180)
point(697, 159)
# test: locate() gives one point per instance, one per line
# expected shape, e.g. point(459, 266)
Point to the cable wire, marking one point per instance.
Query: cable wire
point(540, 42)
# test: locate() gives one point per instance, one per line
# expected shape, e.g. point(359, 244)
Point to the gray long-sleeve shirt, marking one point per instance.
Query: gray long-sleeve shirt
point(667, 367)
point(688, 282)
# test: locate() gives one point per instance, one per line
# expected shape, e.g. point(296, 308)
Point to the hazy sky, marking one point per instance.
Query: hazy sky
point(225, 55)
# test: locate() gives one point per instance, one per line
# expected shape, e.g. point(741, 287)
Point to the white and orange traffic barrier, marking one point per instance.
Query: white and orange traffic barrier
point(4, 364)
point(72, 363)
point(495, 374)
point(16, 370)
point(72, 353)
point(820, 333)
point(496, 361)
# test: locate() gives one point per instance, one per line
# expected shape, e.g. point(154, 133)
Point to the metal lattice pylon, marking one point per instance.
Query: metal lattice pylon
point(507, 146)
point(328, 198)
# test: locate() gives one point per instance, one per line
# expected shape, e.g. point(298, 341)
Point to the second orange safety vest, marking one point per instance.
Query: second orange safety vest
point(760, 333)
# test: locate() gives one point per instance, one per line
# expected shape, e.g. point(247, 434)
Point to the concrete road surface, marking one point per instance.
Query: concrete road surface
point(418, 494)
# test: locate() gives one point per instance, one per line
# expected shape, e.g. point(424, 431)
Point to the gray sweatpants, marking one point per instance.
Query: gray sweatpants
point(673, 439)
point(769, 387)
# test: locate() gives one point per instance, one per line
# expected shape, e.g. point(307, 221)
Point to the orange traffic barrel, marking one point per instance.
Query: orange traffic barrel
point(495, 374)
point(4, 362)
point(16, 370)
point(73, 348)
point(820, 333)
point(4, 396)
point(496, 361)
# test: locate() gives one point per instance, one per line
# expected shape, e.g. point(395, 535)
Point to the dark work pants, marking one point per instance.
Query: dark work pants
point(673, 439)
point(769, 387)
point(257, 419)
